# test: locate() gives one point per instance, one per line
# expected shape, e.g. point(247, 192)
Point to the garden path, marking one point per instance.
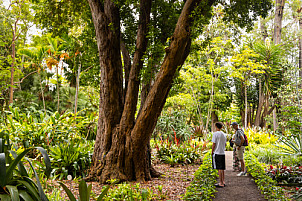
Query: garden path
point(237, 188)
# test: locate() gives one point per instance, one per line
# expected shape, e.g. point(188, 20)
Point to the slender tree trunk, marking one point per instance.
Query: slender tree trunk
point(278, 21)
point(277, 39)
point(42, 93)
point(122, 141)
point(245, 100)
point(300, 49)
point(77, 87)
point(210, 102)
point(58, 88)
point(263, 29)
point(260, 105)
point(11, 91)
point(214, 118)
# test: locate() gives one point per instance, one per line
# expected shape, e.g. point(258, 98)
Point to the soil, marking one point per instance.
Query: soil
point(175, 180)
point(237, 188)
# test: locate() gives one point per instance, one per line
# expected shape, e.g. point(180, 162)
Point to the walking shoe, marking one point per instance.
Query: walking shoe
point(241, 174)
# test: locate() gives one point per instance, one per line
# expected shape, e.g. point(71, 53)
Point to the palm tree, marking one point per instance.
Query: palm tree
point(37, 56)
point(271, 80)
point(56, 55)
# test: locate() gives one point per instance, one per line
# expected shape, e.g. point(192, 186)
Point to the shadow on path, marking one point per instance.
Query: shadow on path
point(237, 188)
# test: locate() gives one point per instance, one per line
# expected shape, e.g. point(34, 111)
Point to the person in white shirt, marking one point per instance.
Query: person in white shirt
point(218, 155)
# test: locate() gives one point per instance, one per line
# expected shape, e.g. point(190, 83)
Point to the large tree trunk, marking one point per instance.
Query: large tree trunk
point(122, 141)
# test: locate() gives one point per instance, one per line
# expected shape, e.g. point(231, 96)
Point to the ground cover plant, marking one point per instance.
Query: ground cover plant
point(266, 184)
point(202, 187)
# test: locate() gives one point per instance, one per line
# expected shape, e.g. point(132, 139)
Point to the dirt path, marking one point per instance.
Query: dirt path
point(237, 188)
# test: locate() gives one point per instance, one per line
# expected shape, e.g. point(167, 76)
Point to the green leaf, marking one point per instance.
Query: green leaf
point(69, 193)
point(13, 192)
point(25, 196)
point(89, 190)
point(30, 189)
point(46, 160)
point(2, 170)
point(83, 191)
point(13, 165)
point(5, 197)
point(41, 192)
point(22, 170)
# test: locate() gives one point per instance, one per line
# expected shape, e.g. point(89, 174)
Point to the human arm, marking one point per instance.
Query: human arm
point(241, 142)
point(213, 147)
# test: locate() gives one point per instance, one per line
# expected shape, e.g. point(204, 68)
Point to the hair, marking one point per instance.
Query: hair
point(218, 125)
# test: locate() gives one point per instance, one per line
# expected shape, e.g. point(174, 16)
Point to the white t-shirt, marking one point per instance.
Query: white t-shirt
point(220, 139)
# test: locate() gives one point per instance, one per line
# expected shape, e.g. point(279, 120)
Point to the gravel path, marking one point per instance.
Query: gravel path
point(237, 188)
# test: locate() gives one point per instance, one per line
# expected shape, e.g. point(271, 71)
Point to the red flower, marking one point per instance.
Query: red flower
point(271, 167)
point(284, 167)
point(297, 188)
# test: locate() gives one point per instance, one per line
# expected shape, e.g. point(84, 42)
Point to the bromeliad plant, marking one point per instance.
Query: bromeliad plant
point(15, 183)
point(71, 157)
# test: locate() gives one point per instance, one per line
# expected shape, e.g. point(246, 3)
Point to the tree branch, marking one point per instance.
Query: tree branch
point(134, 77)
point(26, 77)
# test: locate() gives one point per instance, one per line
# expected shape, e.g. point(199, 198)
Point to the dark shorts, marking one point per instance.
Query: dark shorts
point(218, 162)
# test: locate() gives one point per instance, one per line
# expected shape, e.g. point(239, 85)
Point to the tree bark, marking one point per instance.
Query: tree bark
point(277, 39)
point(260, 105)
point(77, 87)
point(11, 90)
point(245, 101)
point(278, 21)
point(121, 144)
point(214, 118)
point(263, 29)
point(300, 49)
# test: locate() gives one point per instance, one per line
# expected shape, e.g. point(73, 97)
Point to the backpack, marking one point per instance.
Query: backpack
point(246, 142)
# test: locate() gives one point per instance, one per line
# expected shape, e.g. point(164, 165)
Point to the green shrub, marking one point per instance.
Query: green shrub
point(266, 185)
point(270, 155)
point(43, 130)
point(260, 136)
point(172, 154)
point(71, 157)
point(173, 122)
point(202, 187)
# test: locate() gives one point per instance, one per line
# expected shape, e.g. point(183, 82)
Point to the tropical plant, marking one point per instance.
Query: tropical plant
point(15, 183)
point(85, 191)
point(290, 145)
point(37, 55)
point(71, 157)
